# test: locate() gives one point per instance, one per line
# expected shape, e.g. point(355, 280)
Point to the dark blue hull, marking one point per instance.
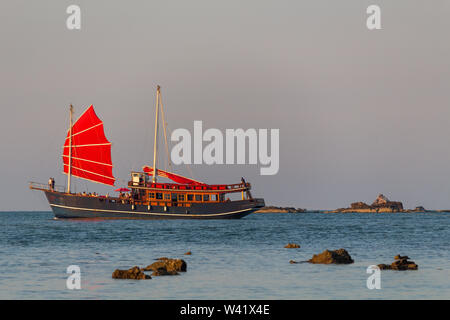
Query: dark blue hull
point(76, 206)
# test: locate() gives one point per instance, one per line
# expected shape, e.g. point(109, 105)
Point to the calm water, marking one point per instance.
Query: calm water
point(236, 259)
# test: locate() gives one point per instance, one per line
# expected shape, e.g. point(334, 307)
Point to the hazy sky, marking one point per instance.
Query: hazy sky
point(360, 112)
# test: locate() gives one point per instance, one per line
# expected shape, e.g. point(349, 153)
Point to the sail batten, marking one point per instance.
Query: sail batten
point(94, 126)
point(90, 150)
point(105, 164)
point(90, 145)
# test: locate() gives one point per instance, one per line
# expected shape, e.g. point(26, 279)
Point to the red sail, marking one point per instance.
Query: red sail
point(91, 151)
point(172, 176)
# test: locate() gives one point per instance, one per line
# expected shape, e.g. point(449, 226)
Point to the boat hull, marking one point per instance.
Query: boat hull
point(72, 206)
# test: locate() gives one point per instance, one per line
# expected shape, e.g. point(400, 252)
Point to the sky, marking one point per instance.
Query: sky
point(360, 111)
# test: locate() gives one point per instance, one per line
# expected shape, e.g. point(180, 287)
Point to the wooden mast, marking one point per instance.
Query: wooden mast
point(69, 173)
point(155, 148)
point(165, 133)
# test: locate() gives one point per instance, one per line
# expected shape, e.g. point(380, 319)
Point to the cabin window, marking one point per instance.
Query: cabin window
point(206, 197)
point(151, 195)
point(198, 197)
point(214, 197)
point(181, 197)
point(190, 197)
point(222, 196)
point(174, 197)
point(166, 196)
point(159, 195)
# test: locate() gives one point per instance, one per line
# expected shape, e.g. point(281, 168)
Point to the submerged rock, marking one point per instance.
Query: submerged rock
point(167, 264)
point(401, 263)
point(292, 245)
point(134, 273)
point(340, 256)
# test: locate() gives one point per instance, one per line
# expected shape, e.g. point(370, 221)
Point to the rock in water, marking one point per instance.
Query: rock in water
point(134, 273)
point(384, 267)
point(188, 253)
point(168, 264)
point(292, 245)
point(401, 263)
point(164, 272)
point(340, 256)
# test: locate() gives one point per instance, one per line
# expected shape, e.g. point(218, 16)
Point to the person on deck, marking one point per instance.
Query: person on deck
point(51, 184)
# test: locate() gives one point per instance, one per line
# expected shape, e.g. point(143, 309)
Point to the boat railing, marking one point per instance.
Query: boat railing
point(183, 187)
point(43, 186)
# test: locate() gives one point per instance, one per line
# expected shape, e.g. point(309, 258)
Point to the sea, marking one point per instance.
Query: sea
point(231, 259)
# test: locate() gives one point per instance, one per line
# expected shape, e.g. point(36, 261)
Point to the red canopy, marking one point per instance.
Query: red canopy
point(91, 151)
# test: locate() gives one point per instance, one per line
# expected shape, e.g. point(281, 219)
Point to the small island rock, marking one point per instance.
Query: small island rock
point(274, 209)
point(401, 263)
point(292, 245)
point(340, 256)
point(168, 264)
point(134, 273)
point(381, 204)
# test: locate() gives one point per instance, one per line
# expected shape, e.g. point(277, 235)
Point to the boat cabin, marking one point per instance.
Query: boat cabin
point(145, 192)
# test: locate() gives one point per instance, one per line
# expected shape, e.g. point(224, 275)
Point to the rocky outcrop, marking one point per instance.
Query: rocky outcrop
point(417, 209)
point(187, 253)
point(340, 256)
point(381, 204)
point(401, 263)
point(292, 245)
point(134, 273)
point(167, 266)
point(359, 205)
point(273, 209)
point(380, 200)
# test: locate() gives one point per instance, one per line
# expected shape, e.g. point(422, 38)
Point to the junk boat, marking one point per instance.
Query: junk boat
point(87, 155)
